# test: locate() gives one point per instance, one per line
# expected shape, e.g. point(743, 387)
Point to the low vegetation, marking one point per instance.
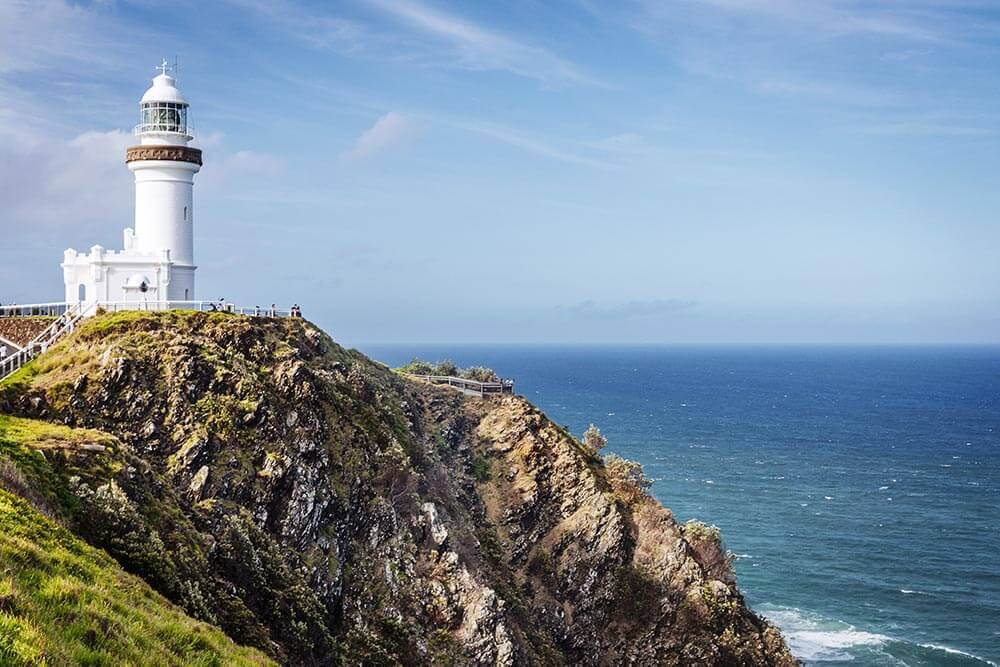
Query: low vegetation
point(449, 367)
point(63, 602)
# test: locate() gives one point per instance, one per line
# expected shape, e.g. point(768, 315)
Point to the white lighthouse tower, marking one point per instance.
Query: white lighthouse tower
point(157, 259)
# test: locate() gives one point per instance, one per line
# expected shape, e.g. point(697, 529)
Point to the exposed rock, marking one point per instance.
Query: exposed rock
point(318, 506)
point(198, 483)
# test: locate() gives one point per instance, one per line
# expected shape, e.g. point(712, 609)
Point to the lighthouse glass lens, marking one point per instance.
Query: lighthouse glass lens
point(164, 117)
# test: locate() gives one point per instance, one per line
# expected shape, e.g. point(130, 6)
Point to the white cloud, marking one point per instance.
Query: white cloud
point(530, 144)
point(830, 17)
point(39, 33)
point(627, 143)
point(78, 182)
point(390, 130)
point(479, 48)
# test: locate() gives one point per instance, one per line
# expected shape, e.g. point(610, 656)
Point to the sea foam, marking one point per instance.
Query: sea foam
point(815, 639)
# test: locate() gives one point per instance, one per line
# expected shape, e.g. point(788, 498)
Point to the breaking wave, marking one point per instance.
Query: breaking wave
point(815, 640)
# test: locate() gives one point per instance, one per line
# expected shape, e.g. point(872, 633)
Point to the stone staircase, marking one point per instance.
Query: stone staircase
point(60, 326)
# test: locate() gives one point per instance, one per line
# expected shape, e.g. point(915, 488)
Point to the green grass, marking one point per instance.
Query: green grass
point(63, 602)
point(44, 435)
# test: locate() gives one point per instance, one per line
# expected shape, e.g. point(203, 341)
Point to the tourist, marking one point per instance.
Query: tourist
point(274, 310)
point(3, 351)
point(256, 311)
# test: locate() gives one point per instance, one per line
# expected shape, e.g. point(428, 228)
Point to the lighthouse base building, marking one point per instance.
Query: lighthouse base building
point(156, 262)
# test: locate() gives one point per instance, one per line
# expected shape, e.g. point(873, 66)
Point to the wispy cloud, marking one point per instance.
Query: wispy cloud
point(454, 41)
point(317, 29)
point(390, 130)
point(532, 145)
point(828, 17)
point(480, 48)
point(830, 91)
point(626, 143)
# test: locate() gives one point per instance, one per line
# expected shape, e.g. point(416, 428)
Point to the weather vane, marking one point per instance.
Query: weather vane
point(163, 67)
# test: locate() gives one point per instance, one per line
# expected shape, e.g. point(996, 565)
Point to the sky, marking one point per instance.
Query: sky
point(694, 171)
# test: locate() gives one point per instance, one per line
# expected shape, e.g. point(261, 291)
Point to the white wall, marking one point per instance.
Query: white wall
point(164, 208)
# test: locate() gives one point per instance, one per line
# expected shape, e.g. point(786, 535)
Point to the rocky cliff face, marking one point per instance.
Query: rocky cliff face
point(320, 507)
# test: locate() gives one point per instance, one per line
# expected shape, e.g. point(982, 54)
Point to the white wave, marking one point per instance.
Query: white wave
point(827, 497)
point(955, 651)
point(907, 591)
point(815, 639)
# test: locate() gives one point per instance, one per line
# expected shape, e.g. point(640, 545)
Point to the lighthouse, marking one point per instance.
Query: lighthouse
point(156, 263)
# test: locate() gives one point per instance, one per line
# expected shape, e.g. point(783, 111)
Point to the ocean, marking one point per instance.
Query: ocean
point(858, 487)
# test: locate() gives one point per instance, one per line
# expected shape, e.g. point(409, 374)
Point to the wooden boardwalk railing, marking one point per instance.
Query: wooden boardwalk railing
point(470, 387)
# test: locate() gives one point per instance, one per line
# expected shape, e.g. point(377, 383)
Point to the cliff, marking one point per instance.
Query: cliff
point(318, 506)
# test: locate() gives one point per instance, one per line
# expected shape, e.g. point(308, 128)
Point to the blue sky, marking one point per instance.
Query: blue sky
point(580, 171)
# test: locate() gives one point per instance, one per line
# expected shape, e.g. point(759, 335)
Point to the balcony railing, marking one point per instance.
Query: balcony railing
point(163, 128)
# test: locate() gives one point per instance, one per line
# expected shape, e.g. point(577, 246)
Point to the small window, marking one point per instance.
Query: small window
point(81, 292)
point(185, 212)
point(186, 295)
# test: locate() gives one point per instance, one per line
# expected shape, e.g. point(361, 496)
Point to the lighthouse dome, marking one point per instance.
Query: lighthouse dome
point(163, 117)
point(164, 89)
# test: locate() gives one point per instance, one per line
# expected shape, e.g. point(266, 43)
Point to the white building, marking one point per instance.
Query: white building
point(156, 262)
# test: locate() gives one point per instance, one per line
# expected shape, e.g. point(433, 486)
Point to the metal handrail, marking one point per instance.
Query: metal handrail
point(40, 343)
point(34, 309)
point(503, 386)
point(201, 306)
point(163, 128)
point(55, 309)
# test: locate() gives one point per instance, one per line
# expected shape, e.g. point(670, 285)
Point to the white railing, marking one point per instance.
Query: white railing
point(163, 128)
point(61, 325)
point(90, 308)
point(35, 310)
point(502, 386)
point(202, 306)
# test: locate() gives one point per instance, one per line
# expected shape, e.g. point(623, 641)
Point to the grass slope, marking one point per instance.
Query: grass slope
point(65, 602)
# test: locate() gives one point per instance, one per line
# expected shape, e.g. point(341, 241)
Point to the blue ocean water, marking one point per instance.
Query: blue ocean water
point(858, 487)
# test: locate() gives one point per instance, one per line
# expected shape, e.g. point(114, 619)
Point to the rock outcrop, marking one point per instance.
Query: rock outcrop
point(316, 505)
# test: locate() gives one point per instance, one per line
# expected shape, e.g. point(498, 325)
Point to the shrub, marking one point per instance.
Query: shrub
point(481, 469)
point(628, 480)
point(593, 439)
point(449, 367)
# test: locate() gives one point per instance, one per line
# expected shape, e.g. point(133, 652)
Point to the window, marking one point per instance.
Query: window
point(185, 212)
point(81, 292)
point(164, 117)
point(186, 295)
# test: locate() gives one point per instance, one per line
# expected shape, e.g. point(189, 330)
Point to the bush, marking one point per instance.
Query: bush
point(627, 478)
point(449, 367)
point(593, 439)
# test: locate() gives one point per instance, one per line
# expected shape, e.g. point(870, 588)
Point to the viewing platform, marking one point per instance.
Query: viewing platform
point(469, 387)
